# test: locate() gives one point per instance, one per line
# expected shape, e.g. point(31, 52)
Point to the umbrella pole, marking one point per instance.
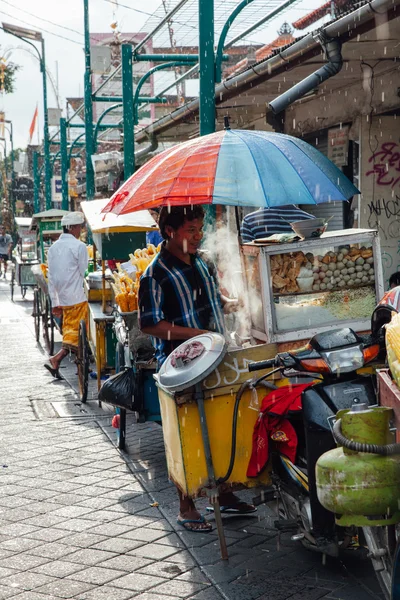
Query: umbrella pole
point(237, 222)
point(210, 470)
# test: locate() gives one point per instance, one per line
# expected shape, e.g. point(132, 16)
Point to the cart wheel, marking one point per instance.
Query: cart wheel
point(36, 313)
point(12, 283)
point(23, 291)
point(82, 361)
point(48, 328)
point(119, 357)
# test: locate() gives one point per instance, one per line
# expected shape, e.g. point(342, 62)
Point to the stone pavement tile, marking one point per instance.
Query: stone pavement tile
point(27, 581)
point(44, 520)
point(350, 592)
point(96, 575)
point(194, 576)
point(64, 588)
point(106, 592)
point(42, 506)
point(150, 596)
point(6, 592)
point(14, 501)
point(211, 594)
point(75, 524)
point(109, 529)
point(22, 561)
point(183, 557)
point(99, 502)
point(48, 535)
point(69, 499)
point(33, 596)
point(72, 511)
point(163, 568)
point(16, 514)
point(5, 571)
point(308, 594)
point(133, 521)
point(58, 568)
point(224, 572)
point(182, 589)
point(90, 556)
point(145, 535)
point(161, 525)
point(126, 562)
point(174, 540)
point(83, 539)
point(53, 550)
point(19, 544)
point(118, 544)
point(154, 551)
point(137, 582)
point(99, 516)
point(16, 529)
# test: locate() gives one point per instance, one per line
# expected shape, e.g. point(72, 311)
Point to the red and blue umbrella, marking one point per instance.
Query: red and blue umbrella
point(236, 168)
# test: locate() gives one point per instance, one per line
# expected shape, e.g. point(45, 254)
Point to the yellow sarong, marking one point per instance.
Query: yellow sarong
point(72, 316)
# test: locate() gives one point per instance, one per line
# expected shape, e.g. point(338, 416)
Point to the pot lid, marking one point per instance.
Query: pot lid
point(192, 362)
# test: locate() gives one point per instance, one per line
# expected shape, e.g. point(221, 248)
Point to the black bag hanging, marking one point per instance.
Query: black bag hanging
point(119, 390)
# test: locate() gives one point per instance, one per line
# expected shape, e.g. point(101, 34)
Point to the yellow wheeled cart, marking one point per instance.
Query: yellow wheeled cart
point(114, 238)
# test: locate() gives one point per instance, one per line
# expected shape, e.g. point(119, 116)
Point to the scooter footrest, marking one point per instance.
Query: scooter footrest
point(286, 524)
point(265, 496)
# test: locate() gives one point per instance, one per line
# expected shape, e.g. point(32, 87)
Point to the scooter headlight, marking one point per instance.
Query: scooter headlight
point(344, 360)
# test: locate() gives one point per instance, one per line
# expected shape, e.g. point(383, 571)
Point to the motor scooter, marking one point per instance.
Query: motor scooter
point(332, 360)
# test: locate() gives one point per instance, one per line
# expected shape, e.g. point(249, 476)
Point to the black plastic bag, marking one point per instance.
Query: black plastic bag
point(119, 390)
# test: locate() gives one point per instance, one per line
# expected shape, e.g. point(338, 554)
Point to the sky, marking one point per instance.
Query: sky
point(64, 48)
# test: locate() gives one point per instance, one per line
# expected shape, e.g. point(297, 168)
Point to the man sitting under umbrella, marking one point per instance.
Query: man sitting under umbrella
point(267, 221)
point(178, 300)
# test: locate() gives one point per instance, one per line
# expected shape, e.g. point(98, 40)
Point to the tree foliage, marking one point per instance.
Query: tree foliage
point(7, 77)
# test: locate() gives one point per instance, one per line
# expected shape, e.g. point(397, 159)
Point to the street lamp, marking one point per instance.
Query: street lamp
point(10, 133)
point(25, 35)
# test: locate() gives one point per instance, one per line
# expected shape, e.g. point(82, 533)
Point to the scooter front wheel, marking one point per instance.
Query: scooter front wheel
point(381, 545)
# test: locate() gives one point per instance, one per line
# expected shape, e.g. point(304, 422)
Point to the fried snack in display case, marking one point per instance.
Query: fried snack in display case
point(309, 286)
point(252, 275)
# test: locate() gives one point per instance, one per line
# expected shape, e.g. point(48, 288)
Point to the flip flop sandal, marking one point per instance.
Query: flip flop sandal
point(185, 522)
point(235, 509)
point(53, 371)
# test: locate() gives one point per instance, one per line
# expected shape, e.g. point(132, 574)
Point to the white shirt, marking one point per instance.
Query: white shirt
point(67, 261)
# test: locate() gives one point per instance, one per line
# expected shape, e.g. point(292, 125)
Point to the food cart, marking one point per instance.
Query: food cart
point(299, 289)
point(47, 225)
point(24, 256)
point(114, 238)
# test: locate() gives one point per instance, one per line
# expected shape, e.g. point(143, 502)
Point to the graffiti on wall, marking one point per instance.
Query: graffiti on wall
point(384, 215)
point(385, 165)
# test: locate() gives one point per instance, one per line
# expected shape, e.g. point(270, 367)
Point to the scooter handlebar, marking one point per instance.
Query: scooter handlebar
point(262, 364)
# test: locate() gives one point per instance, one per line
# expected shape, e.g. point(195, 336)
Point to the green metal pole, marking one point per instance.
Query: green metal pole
point(36, 183)
point(12, 167)
point(105, 113)
point(90, 187)
point(128, 111)
point(224, 33)
point(64, 164)
point(46, 141)
point(207, 70)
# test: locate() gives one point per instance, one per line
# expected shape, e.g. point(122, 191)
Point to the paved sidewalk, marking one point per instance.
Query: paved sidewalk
point(76, 514)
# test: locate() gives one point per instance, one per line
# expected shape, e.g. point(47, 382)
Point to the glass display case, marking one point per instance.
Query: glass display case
point(299, 289)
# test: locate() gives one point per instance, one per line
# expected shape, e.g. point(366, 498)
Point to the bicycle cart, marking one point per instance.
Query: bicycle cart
point(42, 313)
point(113, 239)
point(47, 226)
point(24, 257)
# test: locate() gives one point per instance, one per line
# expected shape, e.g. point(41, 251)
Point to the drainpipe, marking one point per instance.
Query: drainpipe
point(153, 145)
point(333, 53)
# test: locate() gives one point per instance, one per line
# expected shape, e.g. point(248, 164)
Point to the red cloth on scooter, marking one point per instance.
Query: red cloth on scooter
point(272, 425)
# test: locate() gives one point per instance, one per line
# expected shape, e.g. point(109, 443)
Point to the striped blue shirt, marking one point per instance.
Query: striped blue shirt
point(267, 221)
point(186, 295)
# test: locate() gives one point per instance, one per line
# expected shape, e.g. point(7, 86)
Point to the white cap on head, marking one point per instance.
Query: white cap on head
point(73, 218)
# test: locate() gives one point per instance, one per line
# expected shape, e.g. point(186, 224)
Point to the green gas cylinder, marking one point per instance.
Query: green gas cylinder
point(361, 488)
